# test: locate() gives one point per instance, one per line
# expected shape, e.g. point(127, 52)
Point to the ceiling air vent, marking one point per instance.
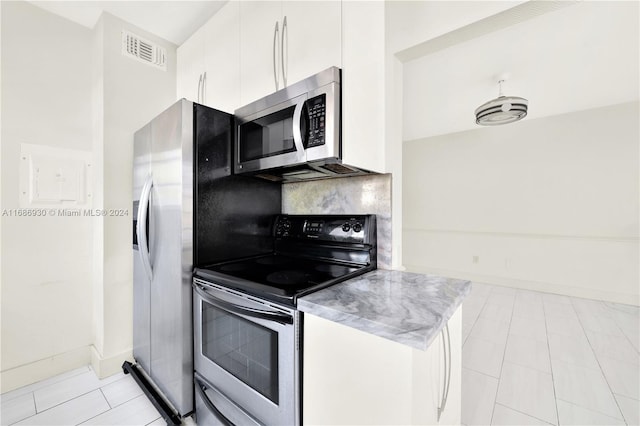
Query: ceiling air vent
point(143, 50)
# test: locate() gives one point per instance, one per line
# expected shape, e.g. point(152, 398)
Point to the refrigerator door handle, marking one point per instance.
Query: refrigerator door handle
point(141, 227)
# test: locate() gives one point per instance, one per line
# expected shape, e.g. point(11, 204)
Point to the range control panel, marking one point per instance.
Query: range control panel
point(336, 228)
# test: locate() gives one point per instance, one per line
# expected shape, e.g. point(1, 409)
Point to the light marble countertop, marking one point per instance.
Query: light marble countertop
point(405, 307)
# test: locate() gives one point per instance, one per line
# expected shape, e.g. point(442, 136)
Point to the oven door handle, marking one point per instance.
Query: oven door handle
point(231, 307)
point(201, 388)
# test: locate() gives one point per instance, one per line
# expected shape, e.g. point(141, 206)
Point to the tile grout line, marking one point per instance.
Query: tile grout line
point(153, 421)
point(99, 414)
point(470, 331)
point(475, 320)
point(35, 406)
point(553, 382)
point(504, 353)
point(518, 411)
point(57, 405)
point(53, 381)
point(105, 398)
point(604, 376)
point(623, 333)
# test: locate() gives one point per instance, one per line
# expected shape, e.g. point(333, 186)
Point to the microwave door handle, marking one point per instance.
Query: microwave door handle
point(201, 388)
point(297, 134)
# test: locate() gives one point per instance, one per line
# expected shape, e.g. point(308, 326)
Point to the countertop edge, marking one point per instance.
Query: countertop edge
point(419, 337)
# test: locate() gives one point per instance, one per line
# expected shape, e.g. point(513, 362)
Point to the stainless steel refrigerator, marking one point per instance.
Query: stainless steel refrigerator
point(188, 210)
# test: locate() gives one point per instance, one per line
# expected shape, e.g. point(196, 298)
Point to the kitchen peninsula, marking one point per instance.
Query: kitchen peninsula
point(384, 348)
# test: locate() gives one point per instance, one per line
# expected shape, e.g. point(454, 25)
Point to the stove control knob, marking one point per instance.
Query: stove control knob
point(346, 227)
point(357, 227)
point(282, 228)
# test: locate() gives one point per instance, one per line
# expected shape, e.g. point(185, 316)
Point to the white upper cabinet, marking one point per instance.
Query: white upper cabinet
point(363, 85)
point(260, 35)
point(209, 62)
point(284, 42)
point(190, 67)
point(222, 59)
point(250, 48)
point(312, 37)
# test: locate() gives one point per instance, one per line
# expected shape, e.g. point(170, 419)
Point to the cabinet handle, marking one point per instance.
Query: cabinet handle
point(204, 88)
point(282, 51)
point(199, 85)
point(446, 345)
point(276, 31)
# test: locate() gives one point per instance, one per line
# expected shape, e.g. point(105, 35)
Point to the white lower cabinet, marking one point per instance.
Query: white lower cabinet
point(353, 377)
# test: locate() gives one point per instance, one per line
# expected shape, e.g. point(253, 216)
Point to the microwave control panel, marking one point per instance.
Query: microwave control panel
point(317, 110)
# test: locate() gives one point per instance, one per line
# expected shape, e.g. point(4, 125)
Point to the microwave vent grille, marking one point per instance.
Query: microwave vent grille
point(339, 169)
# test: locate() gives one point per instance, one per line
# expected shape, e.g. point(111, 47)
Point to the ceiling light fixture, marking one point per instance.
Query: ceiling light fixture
point(501, 110)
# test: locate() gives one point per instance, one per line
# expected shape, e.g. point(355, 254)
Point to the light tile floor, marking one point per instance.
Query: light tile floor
point(79, 397)
point(528, 358)
point(533, 358)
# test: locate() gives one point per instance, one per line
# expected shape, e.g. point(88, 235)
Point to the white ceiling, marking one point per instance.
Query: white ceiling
point(174, 20)
point(582, 56)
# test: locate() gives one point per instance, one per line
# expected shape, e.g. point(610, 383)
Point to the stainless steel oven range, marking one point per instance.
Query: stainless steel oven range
point(248, 332)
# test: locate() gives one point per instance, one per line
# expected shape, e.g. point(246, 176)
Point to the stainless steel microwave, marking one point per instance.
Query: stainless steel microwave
point(294, 133)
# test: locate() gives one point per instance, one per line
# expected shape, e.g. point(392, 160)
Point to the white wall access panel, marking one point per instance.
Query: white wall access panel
point(54, 177)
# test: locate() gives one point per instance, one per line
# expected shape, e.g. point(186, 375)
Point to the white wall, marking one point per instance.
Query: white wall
point(551, 67)
point(411, 23)
point(549, 204)
point(46, 286)
point(410, 26)
point(127, 95)
point(66, 281)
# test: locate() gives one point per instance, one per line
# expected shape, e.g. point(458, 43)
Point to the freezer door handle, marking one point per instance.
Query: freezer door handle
point(141, 228)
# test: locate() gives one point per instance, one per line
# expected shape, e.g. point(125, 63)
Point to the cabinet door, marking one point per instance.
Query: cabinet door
point(257, 34)
point(355, 378)
point(222, 59)
point(363, 85)
point(190, 66)
point(312, 37)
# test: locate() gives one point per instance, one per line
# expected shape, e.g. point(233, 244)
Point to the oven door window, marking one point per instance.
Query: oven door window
point(243, 348)
point(267, 136)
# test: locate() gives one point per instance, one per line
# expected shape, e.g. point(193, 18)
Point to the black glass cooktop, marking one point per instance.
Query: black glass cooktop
point(310, 252)
point(279, 277)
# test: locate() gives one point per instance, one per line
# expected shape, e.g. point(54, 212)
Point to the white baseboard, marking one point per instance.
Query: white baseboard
point(105, 367)
point(585, 293)
point(33, 372)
